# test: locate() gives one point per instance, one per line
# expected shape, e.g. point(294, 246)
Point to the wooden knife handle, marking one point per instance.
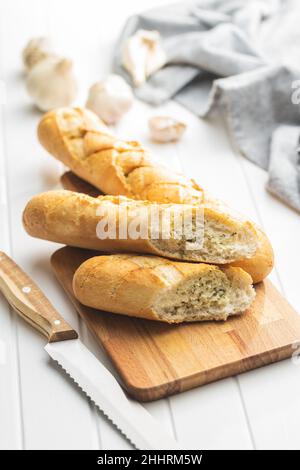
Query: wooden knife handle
point(29, 301)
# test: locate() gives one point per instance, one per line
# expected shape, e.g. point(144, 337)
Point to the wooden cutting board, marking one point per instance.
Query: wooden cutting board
point(155, 360)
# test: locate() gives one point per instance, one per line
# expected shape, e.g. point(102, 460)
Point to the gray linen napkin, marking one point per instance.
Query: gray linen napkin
point(240, 58)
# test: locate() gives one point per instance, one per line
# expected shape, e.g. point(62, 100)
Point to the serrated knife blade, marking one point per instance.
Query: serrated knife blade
point(131, 418)
point(92, 377)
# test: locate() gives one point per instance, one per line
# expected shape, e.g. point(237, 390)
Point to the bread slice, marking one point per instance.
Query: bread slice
point(72, 219)
point(158, 289)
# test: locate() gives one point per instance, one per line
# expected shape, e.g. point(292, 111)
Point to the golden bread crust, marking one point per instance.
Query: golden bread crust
point(73, 218)
point(113, 166)
point(130, 284)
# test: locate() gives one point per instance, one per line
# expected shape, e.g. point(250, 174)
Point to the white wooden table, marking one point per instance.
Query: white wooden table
point(39, 407)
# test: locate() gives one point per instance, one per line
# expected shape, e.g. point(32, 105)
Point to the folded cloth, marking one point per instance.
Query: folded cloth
point(284, 168)
point(237, 57)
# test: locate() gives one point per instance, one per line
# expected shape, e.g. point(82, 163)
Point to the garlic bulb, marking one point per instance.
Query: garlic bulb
point(165, 128)
point(36, 50)
point(110, 98)
point(143, 55)
point(51, 83)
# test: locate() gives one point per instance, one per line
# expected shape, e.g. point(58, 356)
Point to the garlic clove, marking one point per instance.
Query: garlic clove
point(37, 49)
point(143, 55)
point(165, 129)
point(51, 83)
point(156, 57)
point(110, 99)
point(134, 61)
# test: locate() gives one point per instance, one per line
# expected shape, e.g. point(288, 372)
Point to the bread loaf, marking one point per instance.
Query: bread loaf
point(257, 266)
point(81, 141)
point(78, 138)
point(158, 289)
point(76, 219)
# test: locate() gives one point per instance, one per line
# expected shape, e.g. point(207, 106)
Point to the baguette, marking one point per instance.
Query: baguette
point(72, 218)
point(257, 266)
point(78, 138)
point(158, 289)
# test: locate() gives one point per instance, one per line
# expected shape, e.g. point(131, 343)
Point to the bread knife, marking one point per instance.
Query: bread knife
point(64, 346)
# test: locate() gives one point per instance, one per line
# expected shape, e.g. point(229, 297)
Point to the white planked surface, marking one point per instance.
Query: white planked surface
point(39, 406)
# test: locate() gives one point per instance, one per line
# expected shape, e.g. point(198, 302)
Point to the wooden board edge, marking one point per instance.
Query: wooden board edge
point(213, 375)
